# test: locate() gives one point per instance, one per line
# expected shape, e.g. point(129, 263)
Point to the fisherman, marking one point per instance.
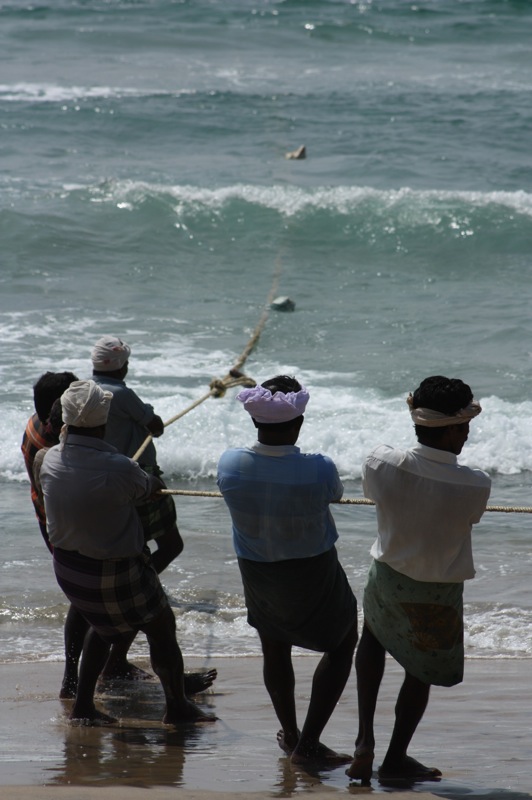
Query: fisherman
point(101, 561)
point(295, 589)
point(41, 433)
point(129, 423)
point(426, 506)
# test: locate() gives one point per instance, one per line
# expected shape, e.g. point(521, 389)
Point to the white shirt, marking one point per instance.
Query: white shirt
point(426, 505)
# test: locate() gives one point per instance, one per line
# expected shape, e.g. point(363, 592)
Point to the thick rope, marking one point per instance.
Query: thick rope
point(219, 386)
point(350, 501)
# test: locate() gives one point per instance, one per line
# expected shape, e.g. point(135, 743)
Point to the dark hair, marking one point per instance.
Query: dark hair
point(55, 418)
point(48, 388)
point(446, 395)
point(284, 384)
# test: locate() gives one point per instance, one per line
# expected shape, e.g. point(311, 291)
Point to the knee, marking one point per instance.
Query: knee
point(346, 648)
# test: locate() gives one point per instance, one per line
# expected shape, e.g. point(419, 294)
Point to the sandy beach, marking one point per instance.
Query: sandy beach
point(476, 733)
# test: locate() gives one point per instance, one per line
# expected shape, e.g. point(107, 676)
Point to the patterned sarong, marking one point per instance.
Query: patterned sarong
point(419, 623)
point(157, 516)
point(306, 602)
point(116, 597)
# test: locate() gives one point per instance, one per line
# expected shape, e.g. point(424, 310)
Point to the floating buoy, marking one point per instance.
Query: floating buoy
point(282, 304)
point(298, 154)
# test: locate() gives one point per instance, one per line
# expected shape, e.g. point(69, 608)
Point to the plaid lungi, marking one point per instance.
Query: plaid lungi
point(157, 516)
point(306, 602)
point(419, 623)
point(116, 596)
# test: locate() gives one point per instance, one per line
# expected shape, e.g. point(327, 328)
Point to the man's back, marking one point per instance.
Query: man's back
point(279, 501)
point(89, 492)
point(128, 419)
point(426, 506)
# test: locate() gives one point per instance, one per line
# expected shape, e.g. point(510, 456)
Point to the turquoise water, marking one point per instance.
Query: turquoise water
point(144, 191)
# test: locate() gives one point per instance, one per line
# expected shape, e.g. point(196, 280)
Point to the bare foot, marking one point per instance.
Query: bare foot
point(91, 717)
point(361, 768)
point(196, 682)
point(187, 714)
point(124, 671)
point(319, 756)
point(286, 742)
point(407, 769)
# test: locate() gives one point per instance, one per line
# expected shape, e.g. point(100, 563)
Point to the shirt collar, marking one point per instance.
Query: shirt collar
point(275, 450)
point(101, 377)
point(433, 454)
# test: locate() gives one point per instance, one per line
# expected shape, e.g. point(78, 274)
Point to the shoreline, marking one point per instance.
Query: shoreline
point(476, 733)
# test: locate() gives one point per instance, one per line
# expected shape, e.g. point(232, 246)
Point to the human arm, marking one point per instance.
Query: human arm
point(156, 426)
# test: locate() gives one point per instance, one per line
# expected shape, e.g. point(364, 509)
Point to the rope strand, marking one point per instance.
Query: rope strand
point(219, 386)
point(350, 501)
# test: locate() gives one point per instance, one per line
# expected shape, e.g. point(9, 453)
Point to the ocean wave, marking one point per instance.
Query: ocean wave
point(422, 205)
point(23, 92)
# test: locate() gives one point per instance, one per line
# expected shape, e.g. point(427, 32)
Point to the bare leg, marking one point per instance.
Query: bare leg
point(369, 663)
point(117, 667)
point(328, 684)
point(95, 653)
point(167, 663)
point(410, 707)
point(279, 679)
point(75, 630)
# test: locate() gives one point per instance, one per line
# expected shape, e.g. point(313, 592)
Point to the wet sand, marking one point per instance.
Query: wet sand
point(476, 733)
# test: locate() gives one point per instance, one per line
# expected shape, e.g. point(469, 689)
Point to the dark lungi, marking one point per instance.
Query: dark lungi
point(157, 516)
point(116, 597)
point(306, 602)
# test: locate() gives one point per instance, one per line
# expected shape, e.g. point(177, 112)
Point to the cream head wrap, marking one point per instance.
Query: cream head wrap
point(109, 354)
point(435, 419)
point(85, 404)
point(268, 408)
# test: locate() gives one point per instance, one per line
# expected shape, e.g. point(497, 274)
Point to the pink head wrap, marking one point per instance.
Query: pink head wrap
point(109, 354)
point(270, 408)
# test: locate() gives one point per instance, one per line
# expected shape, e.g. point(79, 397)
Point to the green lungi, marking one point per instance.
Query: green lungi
point(419, 623)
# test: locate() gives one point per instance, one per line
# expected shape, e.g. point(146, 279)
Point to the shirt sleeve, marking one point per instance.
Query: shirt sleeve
point(130, 405)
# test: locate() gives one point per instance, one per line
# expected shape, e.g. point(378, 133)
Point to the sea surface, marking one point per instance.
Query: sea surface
point(145, 192)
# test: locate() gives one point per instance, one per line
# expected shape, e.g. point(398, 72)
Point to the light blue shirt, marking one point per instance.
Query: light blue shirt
point(128, 416)
point(279, 499)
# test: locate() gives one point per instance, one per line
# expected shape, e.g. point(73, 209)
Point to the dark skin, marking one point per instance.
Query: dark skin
point(330, 677)
point(165, 655)
point(414, 694)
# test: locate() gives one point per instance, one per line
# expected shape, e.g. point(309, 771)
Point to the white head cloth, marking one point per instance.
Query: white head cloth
point(435, 419)
point(85, 404)
point(109, 353)
point(270, 408)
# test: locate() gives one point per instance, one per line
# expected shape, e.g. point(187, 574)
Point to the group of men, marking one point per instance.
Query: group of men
point(98, 509)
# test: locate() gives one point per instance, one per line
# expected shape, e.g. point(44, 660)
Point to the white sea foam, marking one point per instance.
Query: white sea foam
point(419, 207)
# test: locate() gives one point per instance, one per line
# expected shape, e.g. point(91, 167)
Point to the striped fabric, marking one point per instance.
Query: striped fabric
point(116, 596)
point(36, 437)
